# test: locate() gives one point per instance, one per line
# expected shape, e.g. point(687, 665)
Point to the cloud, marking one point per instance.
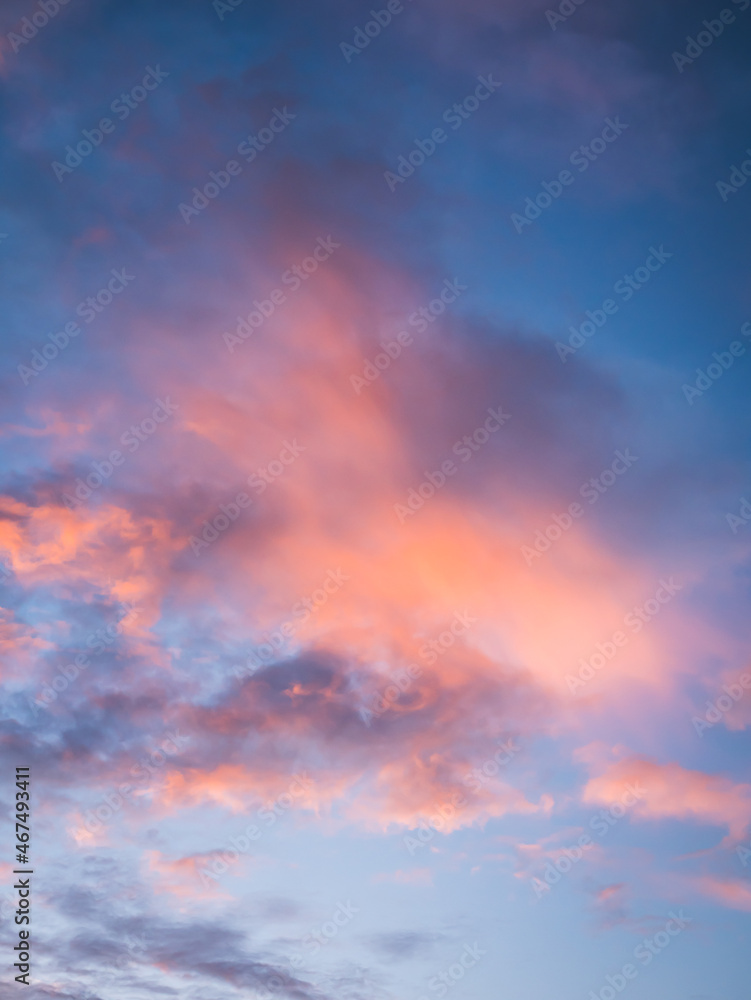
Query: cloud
point(731, 892)
point(673, 792)
point(401, 945)
point(412, 876)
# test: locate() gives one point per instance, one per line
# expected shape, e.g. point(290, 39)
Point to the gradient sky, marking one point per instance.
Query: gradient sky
point(358, 642)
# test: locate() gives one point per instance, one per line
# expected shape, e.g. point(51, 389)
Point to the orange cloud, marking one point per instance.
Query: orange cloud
point(672, 792)
point(734, 893)
point(180, 877)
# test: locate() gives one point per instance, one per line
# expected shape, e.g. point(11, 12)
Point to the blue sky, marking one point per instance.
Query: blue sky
point(225, 557)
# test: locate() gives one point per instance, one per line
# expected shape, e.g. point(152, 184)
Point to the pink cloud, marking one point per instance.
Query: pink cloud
point(673, 792)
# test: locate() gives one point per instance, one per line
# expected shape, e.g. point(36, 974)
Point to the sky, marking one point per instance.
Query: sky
point(375, 499)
